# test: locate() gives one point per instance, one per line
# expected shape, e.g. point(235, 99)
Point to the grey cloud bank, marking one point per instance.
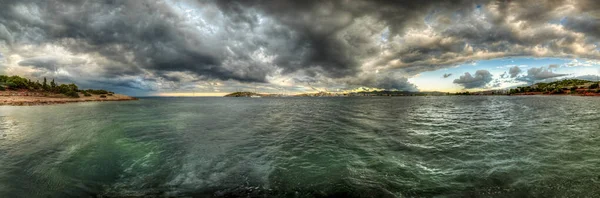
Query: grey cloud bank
point(514, 71)
point(538, 74)
point(479, 80)
point(154, 46)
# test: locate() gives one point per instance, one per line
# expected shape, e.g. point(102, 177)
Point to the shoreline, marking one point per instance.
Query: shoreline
point(371, 94)
point(27, 99)
point(499, 95)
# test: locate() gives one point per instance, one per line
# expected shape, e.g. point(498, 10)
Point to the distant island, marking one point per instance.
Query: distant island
point(562, 87)
point(247, 94)
point(19, 91)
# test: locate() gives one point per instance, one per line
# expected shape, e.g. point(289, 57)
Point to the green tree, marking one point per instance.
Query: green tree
point(63, 89)
point(53, 85)
point(16, 82)
point(73, 87)
point(38, 85)
point(11, 85)
point(45, 85)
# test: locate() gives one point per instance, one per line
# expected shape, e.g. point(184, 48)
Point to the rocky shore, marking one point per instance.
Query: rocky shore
point(14, 98)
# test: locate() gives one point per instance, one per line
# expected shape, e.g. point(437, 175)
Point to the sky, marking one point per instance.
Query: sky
point(214, 47)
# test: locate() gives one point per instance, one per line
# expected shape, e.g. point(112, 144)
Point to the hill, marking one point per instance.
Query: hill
point(568, 86)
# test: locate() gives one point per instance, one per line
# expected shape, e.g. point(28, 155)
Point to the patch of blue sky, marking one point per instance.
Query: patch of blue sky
point(434, 80)
point(559, 21)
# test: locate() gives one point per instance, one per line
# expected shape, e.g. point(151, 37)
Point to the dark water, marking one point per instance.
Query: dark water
point(532, 146)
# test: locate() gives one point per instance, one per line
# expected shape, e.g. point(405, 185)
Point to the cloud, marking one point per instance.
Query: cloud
point(588, 77)
point(514, 71)
point(387, 81)
point(537, 74)
point(153, 36)
point(583, 63)
point(447, 75)
point(496, 83)
point(503, 75)
point(479, 80)
point(256, 41)
point(52, 62)
point(392, 83)
point(5, 35)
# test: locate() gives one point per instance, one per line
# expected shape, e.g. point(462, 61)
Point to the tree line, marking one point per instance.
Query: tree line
point(20, 83)
point(558, 87)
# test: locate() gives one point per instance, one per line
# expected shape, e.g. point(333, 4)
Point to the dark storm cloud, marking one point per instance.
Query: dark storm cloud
point(500, 29)
point(387, 81)
point(514, 71)
point(49, 62)
point(447, 75)
point(538, 74)
point(305, 80)
point(317, 30)
point(479, 80)
point(150, 32)
point(126, 83)
point(5, 35)
point(252, 40)
point(43, 62)
point(586, 23)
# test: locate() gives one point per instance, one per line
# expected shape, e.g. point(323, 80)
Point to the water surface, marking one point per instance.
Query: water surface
point(455, 146)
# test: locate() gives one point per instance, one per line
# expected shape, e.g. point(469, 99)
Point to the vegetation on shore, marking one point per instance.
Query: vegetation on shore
point(70, 90)
point(242, 94)
point(569, 86)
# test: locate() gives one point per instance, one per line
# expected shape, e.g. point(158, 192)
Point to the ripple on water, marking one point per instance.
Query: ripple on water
point(305, 147)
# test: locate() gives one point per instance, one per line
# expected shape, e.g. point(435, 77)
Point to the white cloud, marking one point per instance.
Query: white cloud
point(582, 63)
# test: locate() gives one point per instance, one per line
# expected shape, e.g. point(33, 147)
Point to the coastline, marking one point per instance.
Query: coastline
point(412, 94)
point(14, 98)
point(586, 94)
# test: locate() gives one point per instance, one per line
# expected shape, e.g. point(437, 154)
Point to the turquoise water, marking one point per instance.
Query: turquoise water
point(454, 146)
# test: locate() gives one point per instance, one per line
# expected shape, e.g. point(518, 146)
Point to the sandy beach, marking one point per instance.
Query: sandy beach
point(16, 98)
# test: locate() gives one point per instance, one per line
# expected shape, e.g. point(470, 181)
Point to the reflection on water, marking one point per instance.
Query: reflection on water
point(304, 147)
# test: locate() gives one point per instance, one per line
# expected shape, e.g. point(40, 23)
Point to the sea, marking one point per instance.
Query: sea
point(446, 146)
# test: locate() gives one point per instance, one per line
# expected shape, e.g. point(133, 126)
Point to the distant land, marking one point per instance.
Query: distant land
point(19, 91)
point(562, 87)
point(339, 94)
